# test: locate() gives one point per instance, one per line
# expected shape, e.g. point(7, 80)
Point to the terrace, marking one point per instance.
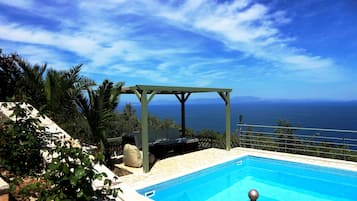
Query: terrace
point(306, 145)
point(258, 140)
point(313, 146)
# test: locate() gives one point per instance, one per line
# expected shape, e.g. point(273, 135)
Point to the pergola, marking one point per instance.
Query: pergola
point(146, 93)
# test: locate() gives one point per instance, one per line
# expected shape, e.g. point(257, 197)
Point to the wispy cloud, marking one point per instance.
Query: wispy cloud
point(248, 27)
point(307, 62)
point(163, 42)
point(79, 44)
point(23, 4)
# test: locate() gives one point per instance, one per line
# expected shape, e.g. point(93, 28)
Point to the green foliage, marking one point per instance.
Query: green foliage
point(256, 140)
point(50, 91)
point(70, 174)
point(234, 139)
point(217, 138)
point(190, 132)
point(21, 81)
point(124, 122)
point(61, 89)
point(156, 123)
point(10, 73)
point(210, 133)
point(285, 136)
point(20, 143)
point(98, 108)
point(59, 94)
point(31, 85)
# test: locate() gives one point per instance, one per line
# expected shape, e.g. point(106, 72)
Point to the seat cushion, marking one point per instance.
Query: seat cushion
point(132, 156)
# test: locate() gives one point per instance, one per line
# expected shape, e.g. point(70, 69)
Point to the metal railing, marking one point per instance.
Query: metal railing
point(328, 143)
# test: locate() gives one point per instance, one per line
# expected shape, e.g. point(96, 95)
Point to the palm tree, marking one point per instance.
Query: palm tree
point(98, 107)
point(20, 81)
point(30, 88)
point(61, 89)
point(10, 73)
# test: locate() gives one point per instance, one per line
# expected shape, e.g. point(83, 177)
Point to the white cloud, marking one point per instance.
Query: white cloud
point(163, 66)
point(77, 43)
point(40, 55)
point(255, 12)
point(248, 27)
point(151, 75)
point(308, 62)
point(24, 4)
point(120, 36)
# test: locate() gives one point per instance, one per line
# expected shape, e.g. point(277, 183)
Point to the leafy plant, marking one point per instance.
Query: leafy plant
point(98, 108)
point(70, 174)
point(10, 73)
point(124, 122)
point(62, 89)
point(20, 143)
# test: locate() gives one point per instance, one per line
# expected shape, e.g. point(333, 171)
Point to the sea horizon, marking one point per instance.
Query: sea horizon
point(200, 115)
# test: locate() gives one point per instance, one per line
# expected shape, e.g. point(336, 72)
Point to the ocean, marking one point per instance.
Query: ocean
point(333, 115)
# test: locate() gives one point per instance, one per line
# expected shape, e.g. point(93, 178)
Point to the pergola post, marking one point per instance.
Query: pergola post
point(145, 126)
point(145, 131)
point(226, 98)
point(183, 98)
point(228, 121)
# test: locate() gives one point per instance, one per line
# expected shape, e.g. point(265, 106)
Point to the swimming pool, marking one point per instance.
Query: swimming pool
point(275, 180)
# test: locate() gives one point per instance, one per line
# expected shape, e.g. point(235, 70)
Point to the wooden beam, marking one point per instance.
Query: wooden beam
point(223, 96)
point(138, 94)
point(151, 96)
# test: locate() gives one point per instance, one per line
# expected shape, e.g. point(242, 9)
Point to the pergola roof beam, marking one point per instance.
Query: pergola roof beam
point(171, 89)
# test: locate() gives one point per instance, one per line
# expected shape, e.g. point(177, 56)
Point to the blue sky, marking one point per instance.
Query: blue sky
point(280, 49)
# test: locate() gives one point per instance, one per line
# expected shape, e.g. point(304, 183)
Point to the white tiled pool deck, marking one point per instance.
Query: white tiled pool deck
point(177, 166)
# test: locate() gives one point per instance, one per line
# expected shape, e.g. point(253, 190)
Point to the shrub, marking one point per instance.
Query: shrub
point(70, 174)
point(20, 143)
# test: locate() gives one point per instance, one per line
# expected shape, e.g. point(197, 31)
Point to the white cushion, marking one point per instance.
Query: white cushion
point(132, 156)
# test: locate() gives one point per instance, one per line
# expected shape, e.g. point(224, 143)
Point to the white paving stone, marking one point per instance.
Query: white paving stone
point(184, 164)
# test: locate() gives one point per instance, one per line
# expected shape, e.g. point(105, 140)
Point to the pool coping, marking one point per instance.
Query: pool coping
point(178, 166)
point(312, 160)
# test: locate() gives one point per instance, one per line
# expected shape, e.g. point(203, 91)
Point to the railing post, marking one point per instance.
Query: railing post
point(344, 148)
point(239, 135)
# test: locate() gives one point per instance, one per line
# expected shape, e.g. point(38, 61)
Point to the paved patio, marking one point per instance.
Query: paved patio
point(177, 166)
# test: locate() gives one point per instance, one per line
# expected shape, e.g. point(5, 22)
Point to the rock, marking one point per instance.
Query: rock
point(132, 156)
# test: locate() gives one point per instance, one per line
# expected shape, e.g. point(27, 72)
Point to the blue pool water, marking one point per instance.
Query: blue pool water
point(275, 180)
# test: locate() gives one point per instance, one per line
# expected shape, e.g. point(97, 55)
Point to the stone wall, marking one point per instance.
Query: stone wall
point(4, 187)
point(4, 190)
point(3, 118)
